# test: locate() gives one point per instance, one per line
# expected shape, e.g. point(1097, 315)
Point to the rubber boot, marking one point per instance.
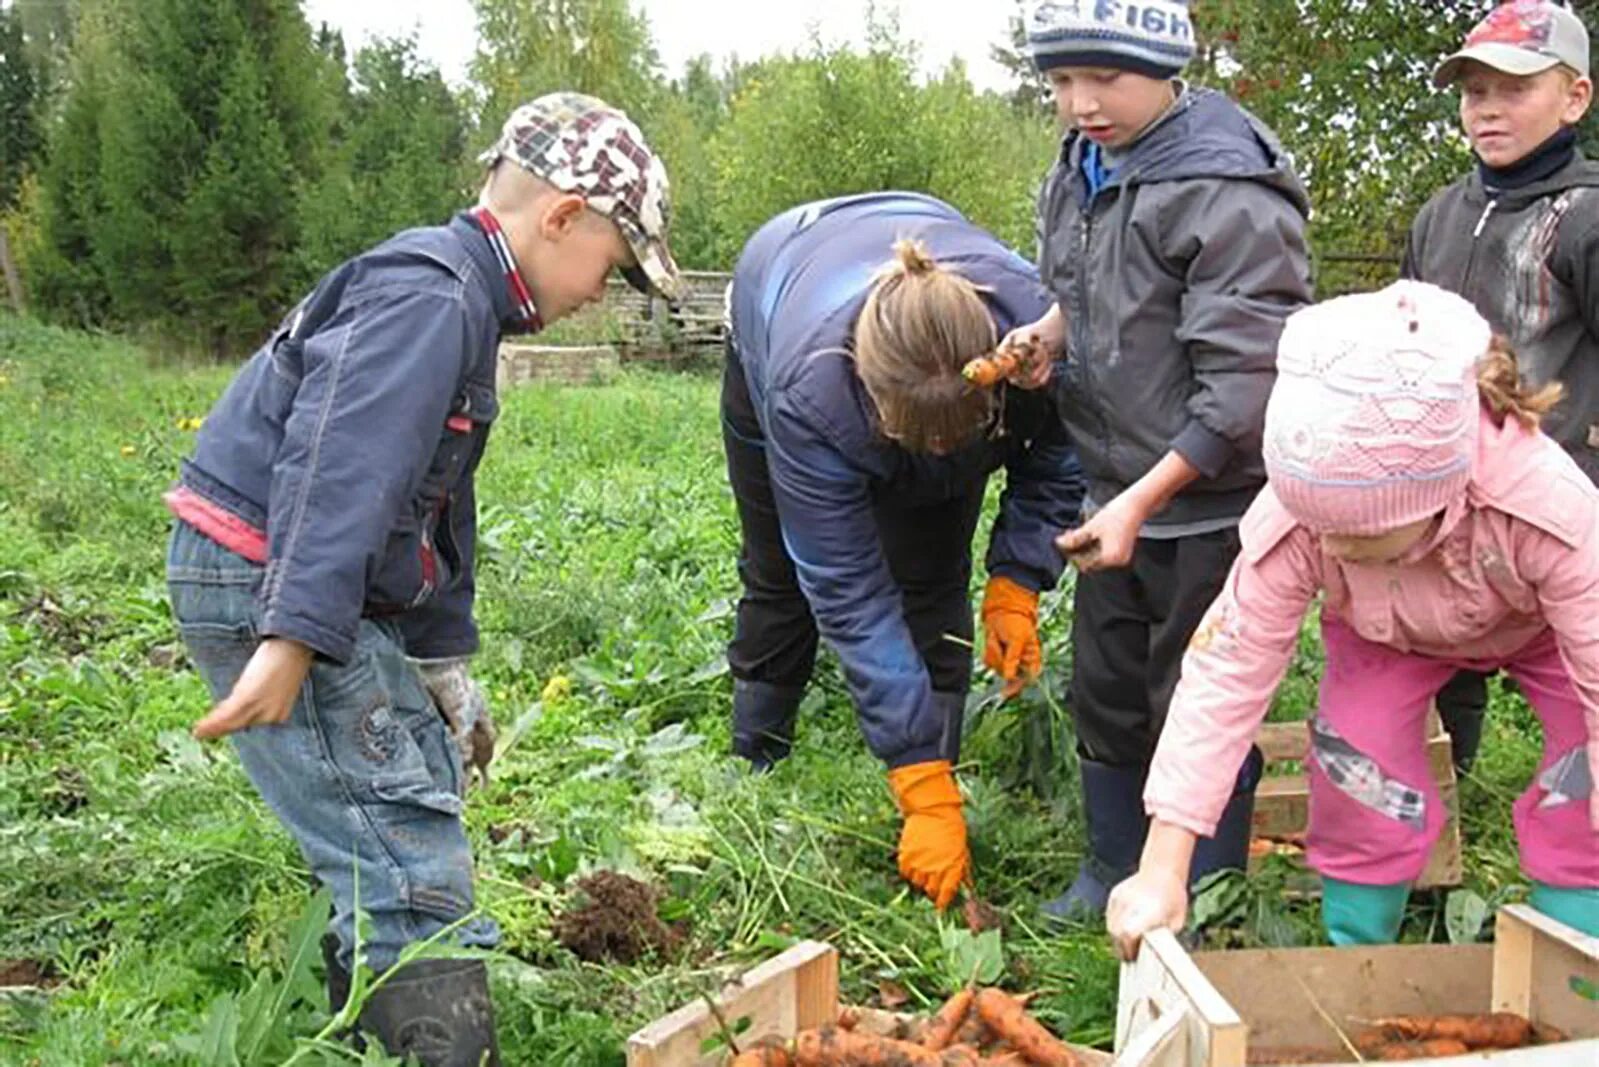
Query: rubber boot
point(1113, 810)
point(1577, 908)
point(952, 709)
point(438, 1011)
point(763, 721)
point(1355, 914)
point(1462, 707)
point(338, 979)
point(1228, 848)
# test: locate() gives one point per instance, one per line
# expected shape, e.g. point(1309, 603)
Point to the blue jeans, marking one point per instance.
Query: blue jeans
point(364, 774)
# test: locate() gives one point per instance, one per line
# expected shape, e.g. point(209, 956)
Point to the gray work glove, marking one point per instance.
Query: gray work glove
point(464, 707)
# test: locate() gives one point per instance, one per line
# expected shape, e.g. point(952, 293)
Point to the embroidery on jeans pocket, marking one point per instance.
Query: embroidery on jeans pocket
point(1360, 777)
point(378, 731)
point(1568, 778)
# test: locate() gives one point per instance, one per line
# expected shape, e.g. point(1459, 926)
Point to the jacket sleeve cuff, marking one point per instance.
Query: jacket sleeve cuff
point(1024, 576)
point(1209, 452)
point(327, 643)
point(1182, 816)
point(919, 754)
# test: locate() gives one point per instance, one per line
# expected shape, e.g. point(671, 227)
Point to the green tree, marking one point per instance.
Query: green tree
point(401, 158)
point(19, 118)
point(837, 121)
point(186, 133)
point(681, 128)
point(59, 262)
point(530, 47)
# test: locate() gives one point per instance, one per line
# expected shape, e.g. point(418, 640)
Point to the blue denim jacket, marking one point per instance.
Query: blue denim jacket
point(351, 437)
point(797, 290)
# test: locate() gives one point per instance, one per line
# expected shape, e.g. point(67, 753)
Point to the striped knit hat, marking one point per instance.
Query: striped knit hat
point(1373, 422)
point(1154, 38)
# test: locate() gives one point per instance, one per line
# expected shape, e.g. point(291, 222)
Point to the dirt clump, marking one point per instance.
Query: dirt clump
point(25, 973)
point(613, 919)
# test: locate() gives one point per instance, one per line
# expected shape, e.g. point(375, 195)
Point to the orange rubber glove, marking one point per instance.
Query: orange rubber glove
point(932, 843)
point(1010, 627)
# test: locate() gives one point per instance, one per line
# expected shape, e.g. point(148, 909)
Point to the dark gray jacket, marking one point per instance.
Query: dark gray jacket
point(1529, 261)
point(1175, 278)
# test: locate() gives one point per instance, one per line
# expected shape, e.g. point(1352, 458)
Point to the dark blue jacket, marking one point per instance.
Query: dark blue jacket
point(797, 291)
point(351, 439)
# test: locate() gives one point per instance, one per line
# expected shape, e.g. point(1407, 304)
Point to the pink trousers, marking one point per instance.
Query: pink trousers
point(1375, 810)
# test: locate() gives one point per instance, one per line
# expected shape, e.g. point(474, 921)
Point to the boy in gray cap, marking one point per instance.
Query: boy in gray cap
point(1172, 231)
point(1519, 236)
point(321, 565)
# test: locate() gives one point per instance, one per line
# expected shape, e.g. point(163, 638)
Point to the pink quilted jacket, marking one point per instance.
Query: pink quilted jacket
point(1519, 555)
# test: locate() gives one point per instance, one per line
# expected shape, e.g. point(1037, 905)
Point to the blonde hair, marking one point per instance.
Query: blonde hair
point(508, 186)
point(920, 326)
point(1502, 388)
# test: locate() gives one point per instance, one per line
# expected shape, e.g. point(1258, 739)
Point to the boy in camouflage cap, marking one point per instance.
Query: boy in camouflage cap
point(321, 565)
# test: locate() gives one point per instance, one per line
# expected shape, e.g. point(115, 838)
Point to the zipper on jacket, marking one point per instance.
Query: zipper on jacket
point(1471, 257)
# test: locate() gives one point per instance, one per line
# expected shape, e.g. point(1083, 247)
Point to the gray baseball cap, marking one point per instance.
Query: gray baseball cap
point(1523, 37)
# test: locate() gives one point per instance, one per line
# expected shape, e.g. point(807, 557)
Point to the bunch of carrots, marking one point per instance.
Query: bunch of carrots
point(1420, 1037)
point(974, 1028)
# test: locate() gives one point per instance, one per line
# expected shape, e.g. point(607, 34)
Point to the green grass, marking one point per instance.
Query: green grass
point(142, 868)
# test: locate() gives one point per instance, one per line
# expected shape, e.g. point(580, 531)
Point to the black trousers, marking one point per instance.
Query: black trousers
point(1130, 628)
point(927, 548)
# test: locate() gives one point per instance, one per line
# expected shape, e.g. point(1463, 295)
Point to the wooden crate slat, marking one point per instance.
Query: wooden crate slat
point(794, 991)
point(1298, 1000)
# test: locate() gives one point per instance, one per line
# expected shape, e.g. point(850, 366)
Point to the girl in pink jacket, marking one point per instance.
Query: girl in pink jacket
point(1409, 486)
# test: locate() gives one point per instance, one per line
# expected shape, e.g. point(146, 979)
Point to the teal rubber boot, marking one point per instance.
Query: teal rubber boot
point(1577, 908)
point(1362, 914)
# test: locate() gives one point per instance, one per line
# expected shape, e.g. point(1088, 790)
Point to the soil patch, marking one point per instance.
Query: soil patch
point(25, 973)
point(612, 919)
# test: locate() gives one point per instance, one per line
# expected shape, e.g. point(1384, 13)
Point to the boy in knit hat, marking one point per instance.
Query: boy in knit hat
point(1410, 488)
point(1172, 240)
point(1519, 235)
point(321, 568)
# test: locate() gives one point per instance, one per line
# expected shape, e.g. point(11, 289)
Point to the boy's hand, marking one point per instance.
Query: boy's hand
point(465, 709)
point(1154, 898)
point(1106, 541)
point(265, 692)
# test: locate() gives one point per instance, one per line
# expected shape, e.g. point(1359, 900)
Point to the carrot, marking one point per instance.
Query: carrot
point(1010, 1023)
point(849, 1018)
point(1421, 1050)
point(960, 1056)
point(947, 1023)
point(832, 1047)
point(973, 1032)
point(1544, 1034)
point(1004, 1059)
point(985, 372)
point(1499, 1030)
point(770, 1056)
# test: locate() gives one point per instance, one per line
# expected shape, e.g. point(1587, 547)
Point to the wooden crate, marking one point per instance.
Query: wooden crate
point(1226, 1009)
point(1282, 802)
point(796, 991)
point(555, 364)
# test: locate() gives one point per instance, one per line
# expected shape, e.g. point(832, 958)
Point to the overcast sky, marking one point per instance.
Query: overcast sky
point(447, 29)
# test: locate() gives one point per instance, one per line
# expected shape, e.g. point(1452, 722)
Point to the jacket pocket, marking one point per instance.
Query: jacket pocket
point(475, 408)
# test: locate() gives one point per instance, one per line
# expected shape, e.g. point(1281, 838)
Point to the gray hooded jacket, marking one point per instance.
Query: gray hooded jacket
point(1175, 278)
point(1528, 260)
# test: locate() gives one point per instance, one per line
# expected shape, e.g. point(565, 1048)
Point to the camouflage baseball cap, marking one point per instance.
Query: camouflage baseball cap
point(582, 145)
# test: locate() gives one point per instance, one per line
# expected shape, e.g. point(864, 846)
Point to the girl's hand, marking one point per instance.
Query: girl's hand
point(1154, 898)
point(265, 692)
